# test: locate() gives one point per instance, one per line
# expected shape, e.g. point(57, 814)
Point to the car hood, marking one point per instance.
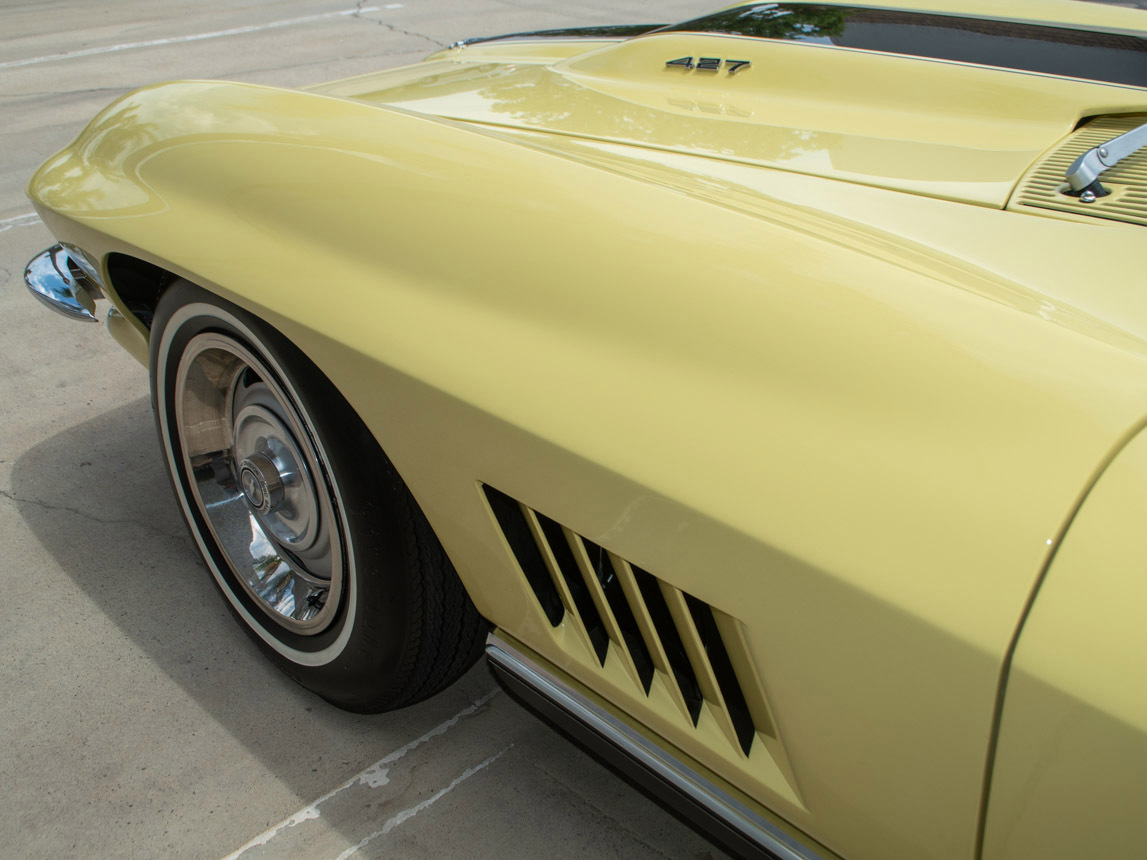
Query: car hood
point(942, 127)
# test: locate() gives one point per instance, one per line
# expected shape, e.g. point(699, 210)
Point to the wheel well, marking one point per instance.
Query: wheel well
point(138, 283)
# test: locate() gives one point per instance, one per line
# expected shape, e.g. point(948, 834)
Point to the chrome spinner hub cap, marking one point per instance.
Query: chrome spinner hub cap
point(273, 475)
point(257, 479)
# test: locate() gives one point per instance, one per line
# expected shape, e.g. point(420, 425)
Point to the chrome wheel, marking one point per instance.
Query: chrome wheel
point(259, 483)
point(313, 539)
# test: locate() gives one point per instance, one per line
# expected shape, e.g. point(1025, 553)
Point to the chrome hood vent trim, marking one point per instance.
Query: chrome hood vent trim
point(1044, 187)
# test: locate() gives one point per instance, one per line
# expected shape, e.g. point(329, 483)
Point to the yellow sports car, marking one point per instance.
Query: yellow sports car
point(763, 393)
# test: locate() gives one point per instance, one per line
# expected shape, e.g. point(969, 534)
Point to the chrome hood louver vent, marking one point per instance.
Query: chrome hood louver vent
point(1043, 186)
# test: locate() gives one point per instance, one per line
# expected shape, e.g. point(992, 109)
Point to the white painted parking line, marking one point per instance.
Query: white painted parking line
point(373, 776)
point(406, 814)
point(19, 221)
point(175, 40)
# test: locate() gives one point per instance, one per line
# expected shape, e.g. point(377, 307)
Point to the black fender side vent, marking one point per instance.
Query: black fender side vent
point(654, 628)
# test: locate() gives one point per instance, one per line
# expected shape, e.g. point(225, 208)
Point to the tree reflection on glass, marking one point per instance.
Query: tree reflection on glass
point(774, 21)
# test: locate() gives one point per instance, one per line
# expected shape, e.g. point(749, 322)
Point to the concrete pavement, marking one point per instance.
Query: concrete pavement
point(136, 719)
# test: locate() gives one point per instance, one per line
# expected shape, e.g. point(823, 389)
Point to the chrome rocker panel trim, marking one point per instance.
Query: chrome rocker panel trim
point(712, 809)
point(51, 276)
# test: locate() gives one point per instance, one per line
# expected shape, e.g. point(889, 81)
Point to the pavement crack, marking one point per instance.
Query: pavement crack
point(414, 35)
point(5, 276)
point(19, 500)
point(360, 10)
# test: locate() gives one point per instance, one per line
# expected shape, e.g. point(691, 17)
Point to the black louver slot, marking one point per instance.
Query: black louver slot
point(653, 628)
point(723, 670)
point(513, 523)
point(610, 584)
point(670, 640)
point(583, 602)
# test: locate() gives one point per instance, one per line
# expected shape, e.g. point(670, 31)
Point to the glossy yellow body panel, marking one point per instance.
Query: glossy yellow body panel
point(1071, 776)
point(854, 419)
point(127, 333)
point(893, 121)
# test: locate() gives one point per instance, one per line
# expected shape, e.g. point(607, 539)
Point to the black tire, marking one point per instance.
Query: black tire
point(370, 614)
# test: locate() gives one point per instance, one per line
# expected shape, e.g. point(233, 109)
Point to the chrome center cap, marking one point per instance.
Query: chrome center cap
point(261, 483)
point(278, 488)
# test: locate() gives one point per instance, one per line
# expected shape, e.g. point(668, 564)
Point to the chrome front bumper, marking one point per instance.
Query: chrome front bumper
point(64, 280)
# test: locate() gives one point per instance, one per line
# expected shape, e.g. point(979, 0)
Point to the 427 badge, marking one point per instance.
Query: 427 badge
point(708, 64)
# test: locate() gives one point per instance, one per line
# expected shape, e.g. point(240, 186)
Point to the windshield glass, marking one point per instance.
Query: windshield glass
point(1113, 58)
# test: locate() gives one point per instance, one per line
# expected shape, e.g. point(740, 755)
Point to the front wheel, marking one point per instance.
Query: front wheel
point(310, 534)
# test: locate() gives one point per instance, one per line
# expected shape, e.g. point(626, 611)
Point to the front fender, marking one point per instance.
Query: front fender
point(783, 415)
